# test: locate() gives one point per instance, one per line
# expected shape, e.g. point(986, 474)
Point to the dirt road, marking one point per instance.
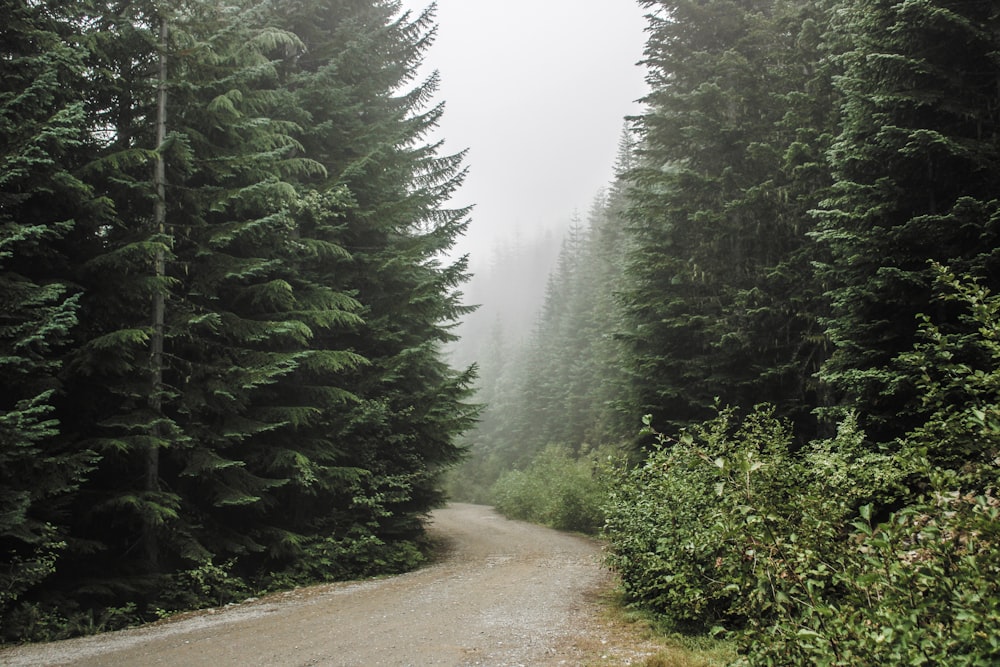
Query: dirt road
point(507, 593)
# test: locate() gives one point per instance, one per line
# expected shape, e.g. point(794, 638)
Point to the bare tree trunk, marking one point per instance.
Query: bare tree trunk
point(151, 546)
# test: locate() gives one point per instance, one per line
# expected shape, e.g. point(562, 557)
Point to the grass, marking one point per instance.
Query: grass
point(651, 647)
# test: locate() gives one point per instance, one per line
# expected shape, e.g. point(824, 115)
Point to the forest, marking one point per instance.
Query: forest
point(766, 367)
point(225, 301)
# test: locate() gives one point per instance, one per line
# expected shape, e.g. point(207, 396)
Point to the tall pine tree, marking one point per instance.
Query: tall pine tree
point(366, 121)
point(916, 169)
point(43, 139)
point(717, 298)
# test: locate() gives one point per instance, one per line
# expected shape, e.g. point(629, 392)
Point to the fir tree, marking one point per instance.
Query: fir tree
point(114, 395)
point(235, 328)
point(43, 139)
point(362, 123)
point(716, 299)
point(245, 272)
point(916, 170)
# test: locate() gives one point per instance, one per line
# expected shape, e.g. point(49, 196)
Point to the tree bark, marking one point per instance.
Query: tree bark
point(152, 471)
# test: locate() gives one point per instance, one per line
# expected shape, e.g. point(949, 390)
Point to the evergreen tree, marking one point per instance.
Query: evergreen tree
point(240, 320)
point(559, 388)
point(916, 170)
point(546, 378)
point(234, 323)
point(603, 379)
point(222, 253)
point(110, 402)
point(717, 301)
point(577, 356)
point(367, 128)
point(43, 139)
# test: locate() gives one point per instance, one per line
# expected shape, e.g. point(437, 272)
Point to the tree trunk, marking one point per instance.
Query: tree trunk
point(152, 475)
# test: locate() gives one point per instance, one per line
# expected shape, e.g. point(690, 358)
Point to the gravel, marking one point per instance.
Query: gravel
point(504, 594)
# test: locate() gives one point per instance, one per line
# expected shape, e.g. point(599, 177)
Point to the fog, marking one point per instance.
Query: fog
point(537, 91)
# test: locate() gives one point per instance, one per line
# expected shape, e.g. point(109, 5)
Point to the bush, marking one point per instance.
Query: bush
point(912, 576)
point(917, 589)
point(672, 522)
point(845, 553)
point(725, 528)
point(556, 490)
point(207, 585)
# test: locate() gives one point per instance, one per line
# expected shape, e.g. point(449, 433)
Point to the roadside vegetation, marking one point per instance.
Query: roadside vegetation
point(832, 554)
point(794, 279)
point(558, 490)
point(824, 554)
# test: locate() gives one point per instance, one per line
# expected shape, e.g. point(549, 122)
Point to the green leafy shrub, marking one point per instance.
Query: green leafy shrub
point(33, 622)
point(675, 522)
point(662, 542)
point(61, 618)
point(845, 553)
point(920, 586)
point(725, 528)
point(206, 585)
point(917, 589)
point(360, 554)
point(958, 373)
point(557, 490)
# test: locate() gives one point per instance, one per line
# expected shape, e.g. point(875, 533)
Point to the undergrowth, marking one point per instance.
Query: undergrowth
point(845, 552)
point(558, 489)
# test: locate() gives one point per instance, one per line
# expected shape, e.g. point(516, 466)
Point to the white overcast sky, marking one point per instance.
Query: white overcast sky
point(537, 90)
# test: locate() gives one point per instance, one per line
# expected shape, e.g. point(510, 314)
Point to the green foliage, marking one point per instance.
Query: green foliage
point(719, 298)
point(957, 372)
point(359, 554)
point(43, 141)
point(872, 546)
point(841, 553)
point(918, 588)
point(670, 520)
point(203, 586)
point(915, 180)
point(62, 618)
point(557, 489)
point(725, 530)
point(234, 373)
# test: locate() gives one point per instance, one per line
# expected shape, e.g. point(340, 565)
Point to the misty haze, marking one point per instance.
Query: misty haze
point(303, 293)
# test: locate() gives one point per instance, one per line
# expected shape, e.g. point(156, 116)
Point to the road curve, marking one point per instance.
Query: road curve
point(507, 593)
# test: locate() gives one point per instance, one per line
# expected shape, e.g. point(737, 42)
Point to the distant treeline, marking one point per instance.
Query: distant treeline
point(222, 232)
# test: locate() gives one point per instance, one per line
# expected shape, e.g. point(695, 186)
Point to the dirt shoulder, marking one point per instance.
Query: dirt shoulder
point(506, 593)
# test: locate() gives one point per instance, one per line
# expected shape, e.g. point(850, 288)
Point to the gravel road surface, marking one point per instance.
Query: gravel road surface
point(505, 593)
